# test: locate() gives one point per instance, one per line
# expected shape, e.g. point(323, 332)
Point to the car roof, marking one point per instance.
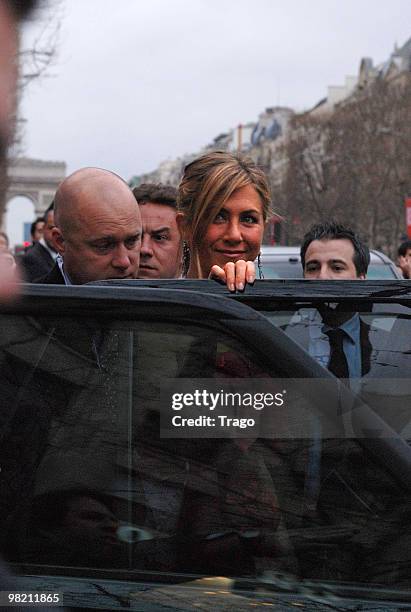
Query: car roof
point(196, 297)
point(380, 256)
point(280, 250)
point(285, 252)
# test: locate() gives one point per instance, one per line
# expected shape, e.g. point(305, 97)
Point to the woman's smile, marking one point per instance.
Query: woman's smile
point(236, 232)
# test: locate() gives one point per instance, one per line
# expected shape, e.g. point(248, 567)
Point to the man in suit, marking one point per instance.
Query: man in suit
point(371, 350)
point(41, 257)
point(98, 229)
point(337, 339)
point(356, 348)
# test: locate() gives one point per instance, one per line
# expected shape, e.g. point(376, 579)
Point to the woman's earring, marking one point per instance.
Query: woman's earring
point(260, 268)
point(186, 259)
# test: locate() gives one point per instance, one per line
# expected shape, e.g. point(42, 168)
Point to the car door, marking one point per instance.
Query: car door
point(97, 479)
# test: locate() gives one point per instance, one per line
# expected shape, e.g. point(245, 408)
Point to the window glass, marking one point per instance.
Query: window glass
point(356, 491)
point(88, 481)
point(381, 271)
point(382, 332)
point(293, 269)
point(282, 270)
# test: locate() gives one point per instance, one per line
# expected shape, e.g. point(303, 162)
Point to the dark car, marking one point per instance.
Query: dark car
point(285, 262)
point(168, 444)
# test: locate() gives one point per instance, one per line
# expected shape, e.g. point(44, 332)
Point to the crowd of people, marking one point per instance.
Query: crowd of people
point(97, 228)
point(212, 226)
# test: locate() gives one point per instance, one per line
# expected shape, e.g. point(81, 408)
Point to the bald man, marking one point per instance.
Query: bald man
point(98, 229)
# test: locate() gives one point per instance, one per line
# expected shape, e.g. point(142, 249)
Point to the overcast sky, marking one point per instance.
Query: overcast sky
point(136, 82)
point(139, 81)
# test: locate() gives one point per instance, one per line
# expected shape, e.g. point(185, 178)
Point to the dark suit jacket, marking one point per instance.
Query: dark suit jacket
point(299, 332)
point(36, 262)
point(385, 369)
point(53, 277)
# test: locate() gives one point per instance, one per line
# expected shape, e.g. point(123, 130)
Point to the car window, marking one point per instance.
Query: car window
point(91, 479)
point(288, 269)
point(282, 270)
point(381, 270)
point(94, 484)
point(384, 358)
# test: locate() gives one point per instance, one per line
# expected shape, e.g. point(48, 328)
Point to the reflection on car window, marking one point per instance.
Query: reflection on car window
point(88, 481)
point(384, 340)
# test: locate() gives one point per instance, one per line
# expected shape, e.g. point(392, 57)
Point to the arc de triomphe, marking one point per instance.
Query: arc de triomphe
point(35, 179)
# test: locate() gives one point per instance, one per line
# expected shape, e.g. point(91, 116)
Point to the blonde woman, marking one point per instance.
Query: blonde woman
point(223, 204)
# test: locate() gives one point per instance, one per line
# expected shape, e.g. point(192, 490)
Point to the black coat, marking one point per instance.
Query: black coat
point(53, 277)
point(36, 262)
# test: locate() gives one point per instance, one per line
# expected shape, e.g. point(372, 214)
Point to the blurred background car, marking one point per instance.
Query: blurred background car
point(285, 262)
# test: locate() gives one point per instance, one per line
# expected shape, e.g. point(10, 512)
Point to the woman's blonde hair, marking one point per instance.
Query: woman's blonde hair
point(207, 183)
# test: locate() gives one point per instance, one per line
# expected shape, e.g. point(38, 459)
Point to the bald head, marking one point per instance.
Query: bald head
point(86, 189)
point(98, 226)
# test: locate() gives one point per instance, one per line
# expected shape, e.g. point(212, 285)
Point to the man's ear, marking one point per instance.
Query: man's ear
point(58, 240)
point(361, 277)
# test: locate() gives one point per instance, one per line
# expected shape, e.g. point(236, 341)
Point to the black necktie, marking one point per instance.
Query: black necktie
point(338, 362)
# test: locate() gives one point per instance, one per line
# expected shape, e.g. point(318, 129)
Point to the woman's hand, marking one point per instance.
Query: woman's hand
point(234, 274)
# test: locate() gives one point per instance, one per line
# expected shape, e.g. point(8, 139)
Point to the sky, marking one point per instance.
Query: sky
point(135, 82)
